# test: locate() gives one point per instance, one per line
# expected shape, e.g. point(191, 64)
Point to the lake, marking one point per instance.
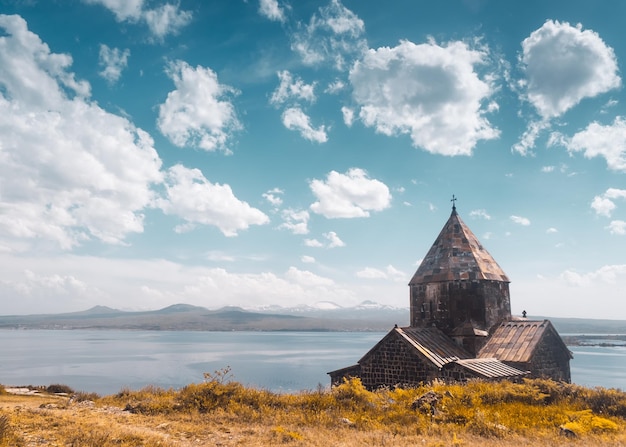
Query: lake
point(107, 361)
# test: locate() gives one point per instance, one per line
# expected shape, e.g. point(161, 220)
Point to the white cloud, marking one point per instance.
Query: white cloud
point(163, 20)
point(348, 116)
point(314, 243)
point(532, 132)
point(290, 89)
point(371, 273)
point(552, 230)
point(390, 272)
point(333, 35)
point(70, 283)
point(520, 220)
point(70, 171)
point(273, 196)
point(272, 10)
point(333, 240)
point(307, 279)
point(481, 214)
point(47, 290)
point(547, 169)
point(604, 204)
point(112, 61)
point(427, 91)
point(295, 119)
point(564, 64)
point(335, 87)
point(194, 199)
point(617, 227)
point(198, 113)
point(295, 221)
point(166, 19)
point(349, 195)
point(598, 140)
point(123, 10)
point(307, 259)
point(610, 274)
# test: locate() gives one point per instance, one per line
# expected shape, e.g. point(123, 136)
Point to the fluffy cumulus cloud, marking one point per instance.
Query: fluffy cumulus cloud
point(113, 61)
point(520, 220)
point(291, 89)
point(162, 20)
point(193, 198)
point(295, 119)
point(291, 93)
point(272, 10)
point(609, 274)
point(45, 292)
point(390, 272)
point(348, 195)
point(307, 279)
point(604, 204)
point(480, 214)
point(333, 240)
point(69, 170)
point(597, 140)
point(333, 35)
point(428, 91)
point(273, 196)
point(43, 283)
point(564, 64)
point(295, 221)
point(617, 227)
point(199, 112)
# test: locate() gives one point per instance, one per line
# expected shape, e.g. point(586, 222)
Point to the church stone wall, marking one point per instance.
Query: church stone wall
point(551, 359)
point(393, 363)
point(448, 304)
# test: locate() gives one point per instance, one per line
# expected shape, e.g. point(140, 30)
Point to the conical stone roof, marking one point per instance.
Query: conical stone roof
point(457, 255)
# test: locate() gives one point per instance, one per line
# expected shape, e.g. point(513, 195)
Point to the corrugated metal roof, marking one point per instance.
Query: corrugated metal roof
point(515, 341)
point(433, 344)
point(457, 254)
point(490, 368)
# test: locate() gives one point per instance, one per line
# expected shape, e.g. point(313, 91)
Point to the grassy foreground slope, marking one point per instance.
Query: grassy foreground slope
point(218, 412)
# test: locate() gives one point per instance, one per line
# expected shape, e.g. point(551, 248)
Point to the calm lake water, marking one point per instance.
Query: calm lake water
point(107, 361)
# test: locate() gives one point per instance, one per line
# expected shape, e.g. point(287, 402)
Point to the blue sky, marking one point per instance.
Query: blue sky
point(259, 153)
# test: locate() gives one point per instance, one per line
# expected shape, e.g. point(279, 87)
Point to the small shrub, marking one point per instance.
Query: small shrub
point(583, 422)
point(59, 389)
point(352, 393)
point(8, 436)
point(81, 396)
point(607, 401)
point(283, 435)
point(4, 427)
point(90, 439)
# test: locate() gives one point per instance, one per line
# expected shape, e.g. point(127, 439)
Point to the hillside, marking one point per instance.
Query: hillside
point(323, 316)
point(186, 317)
point(224, 413)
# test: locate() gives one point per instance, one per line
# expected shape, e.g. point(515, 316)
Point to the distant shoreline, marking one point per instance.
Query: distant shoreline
point(602, 340)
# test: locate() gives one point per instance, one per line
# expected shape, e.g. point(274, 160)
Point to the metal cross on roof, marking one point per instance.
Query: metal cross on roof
point(453, 200)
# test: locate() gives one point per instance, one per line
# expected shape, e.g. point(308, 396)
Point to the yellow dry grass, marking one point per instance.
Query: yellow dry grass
point(218, 412)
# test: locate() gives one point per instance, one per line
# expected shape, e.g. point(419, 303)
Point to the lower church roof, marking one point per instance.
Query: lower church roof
point(517, 341)
point(430, 342)
point(490, 368)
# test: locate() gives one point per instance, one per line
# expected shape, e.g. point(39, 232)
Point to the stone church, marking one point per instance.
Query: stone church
point(461, 325)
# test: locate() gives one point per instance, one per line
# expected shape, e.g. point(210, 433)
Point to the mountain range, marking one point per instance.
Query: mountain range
point(321, 316)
